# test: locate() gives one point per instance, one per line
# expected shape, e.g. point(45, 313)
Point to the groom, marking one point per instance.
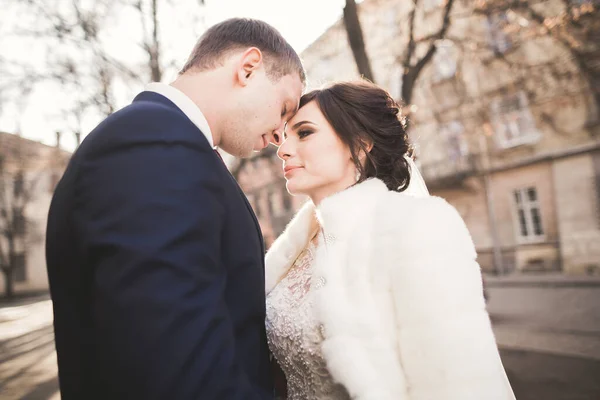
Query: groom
point(155, 258)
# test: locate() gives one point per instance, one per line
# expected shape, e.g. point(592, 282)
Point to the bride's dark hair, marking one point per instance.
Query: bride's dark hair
point(362, 115)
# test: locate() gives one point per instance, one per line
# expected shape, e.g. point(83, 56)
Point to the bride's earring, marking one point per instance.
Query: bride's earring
point(357, 176)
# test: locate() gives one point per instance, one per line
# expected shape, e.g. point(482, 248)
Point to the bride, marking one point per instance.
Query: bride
point(373, 291)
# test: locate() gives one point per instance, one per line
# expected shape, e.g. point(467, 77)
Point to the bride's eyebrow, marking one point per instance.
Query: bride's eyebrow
point(295, 127)
point(299, 124)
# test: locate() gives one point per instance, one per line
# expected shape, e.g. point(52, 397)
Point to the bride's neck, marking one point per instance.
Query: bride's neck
point(319, 195)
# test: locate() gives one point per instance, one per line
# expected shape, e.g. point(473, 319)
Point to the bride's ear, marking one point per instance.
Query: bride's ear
point(365, 147)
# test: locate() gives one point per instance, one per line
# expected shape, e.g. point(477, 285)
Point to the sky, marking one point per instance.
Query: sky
point(300, 22)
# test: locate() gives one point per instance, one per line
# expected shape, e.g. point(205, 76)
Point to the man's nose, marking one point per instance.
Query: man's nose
point(277, 137)
point(277, 134)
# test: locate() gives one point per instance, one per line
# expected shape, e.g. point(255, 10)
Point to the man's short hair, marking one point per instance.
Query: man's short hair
point(238, 34)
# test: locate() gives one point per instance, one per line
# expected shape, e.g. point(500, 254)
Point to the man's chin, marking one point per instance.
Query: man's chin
point(247, 153)
point(258, 149)
point(240, 152)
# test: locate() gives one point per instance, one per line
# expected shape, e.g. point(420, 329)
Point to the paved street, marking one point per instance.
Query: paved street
point(550, 340)
point(27, 355)
point(558, 320)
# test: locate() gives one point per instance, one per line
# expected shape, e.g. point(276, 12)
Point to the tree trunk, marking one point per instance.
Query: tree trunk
point(355, 38)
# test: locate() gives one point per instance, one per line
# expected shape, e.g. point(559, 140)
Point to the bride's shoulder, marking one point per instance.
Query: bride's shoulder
point(425, 220)
point(397, 205)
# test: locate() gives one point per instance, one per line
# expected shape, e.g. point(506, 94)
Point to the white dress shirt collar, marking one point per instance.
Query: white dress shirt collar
point(185, 104)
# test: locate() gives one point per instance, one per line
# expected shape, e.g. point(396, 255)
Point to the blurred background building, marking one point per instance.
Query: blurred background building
point(29, 171)
point(503, 103)
point(502, 99)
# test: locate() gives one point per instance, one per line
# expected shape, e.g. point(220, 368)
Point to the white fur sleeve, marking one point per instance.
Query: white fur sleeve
point(446, 344)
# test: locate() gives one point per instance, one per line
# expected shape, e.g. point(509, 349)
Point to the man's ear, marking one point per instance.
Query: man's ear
point(251, 61)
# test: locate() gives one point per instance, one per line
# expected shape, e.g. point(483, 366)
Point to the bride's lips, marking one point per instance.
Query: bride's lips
point(289, 169)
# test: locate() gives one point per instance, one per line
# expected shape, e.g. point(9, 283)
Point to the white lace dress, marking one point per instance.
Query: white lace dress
point(295, 336)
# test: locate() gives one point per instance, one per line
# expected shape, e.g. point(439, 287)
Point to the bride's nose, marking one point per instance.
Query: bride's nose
point(283, 152)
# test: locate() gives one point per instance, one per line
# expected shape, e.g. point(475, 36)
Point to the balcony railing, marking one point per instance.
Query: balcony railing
point(449, 173)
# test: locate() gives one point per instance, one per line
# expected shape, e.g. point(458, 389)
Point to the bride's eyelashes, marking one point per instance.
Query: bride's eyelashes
point(304, 133)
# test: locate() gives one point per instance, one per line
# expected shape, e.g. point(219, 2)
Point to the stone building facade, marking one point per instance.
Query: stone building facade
point(261, 179)
point(42, 166)
point(504, 125)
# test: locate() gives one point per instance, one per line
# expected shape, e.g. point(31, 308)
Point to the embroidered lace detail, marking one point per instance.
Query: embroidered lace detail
point(295, 336)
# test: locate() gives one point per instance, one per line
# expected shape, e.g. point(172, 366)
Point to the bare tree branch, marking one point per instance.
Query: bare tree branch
point(412, 71)
point(155, 47)
point(582, 40)
point(80, 60)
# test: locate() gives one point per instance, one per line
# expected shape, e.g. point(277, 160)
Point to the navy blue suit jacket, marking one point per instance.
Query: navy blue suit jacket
point(156, 266)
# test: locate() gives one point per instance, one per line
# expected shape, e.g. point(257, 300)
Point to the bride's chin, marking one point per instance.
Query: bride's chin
point(293, 189)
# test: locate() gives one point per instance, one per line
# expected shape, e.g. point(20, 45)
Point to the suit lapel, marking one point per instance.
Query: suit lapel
point(151, 96)
point(251, 211)
point(248, 207)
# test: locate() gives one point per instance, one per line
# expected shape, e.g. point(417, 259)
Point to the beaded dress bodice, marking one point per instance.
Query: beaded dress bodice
point(295, 336)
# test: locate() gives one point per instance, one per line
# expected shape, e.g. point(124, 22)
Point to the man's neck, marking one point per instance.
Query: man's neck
point(203, 89)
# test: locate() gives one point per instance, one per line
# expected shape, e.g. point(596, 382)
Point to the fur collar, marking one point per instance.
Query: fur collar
point(336, 215)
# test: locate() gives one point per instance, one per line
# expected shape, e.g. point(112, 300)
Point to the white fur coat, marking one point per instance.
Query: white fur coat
point(402, 306)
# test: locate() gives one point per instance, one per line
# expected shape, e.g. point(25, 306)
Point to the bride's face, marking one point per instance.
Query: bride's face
point(315, 161)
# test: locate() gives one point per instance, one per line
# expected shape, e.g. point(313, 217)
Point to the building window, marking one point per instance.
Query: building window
point(456, 145)
point(255, 202)
point(276, 203)
point(392, 21)
point(251, 201)
point(325, 71)
point(579, 3)
point(19, 222)
point(444, 62)
point(19, 268)
point(528, 214)
point(287, 202)
point(596, 161)
point(54, 178)
point(498, 39)
point(513, 123)
point(430, 5)
point(395, 82)
point(19, 184)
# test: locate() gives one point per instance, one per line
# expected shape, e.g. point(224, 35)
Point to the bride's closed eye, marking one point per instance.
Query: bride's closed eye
point(304, 133)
